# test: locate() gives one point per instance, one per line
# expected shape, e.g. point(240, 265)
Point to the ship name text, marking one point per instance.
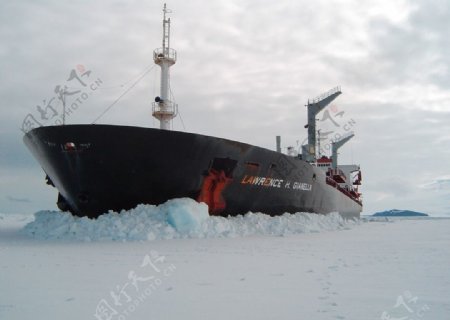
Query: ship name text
point(275, 183)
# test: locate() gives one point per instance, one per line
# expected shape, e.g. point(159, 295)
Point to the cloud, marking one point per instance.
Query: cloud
point(14, 199)
point(438, 184)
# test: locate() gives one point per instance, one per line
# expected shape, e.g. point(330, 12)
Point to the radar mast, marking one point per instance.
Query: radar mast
point(163, 108)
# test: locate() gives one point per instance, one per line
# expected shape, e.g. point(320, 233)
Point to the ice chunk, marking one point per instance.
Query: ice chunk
point(185, 215)
point(177, 218)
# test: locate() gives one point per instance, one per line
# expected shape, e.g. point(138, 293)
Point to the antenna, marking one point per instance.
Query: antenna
point(163, 109)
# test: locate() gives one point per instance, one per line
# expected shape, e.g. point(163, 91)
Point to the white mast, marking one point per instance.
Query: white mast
point(163, 109)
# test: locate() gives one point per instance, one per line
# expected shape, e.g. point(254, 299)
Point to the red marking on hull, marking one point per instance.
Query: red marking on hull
point(211, 192)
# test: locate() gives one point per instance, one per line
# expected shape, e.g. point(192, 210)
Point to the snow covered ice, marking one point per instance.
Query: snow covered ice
point(177, 218)
point(173, 261)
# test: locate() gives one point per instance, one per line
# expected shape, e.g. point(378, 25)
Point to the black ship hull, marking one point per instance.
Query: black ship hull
point(97, 168)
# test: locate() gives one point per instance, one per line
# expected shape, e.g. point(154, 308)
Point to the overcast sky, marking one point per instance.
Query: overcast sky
point(245, 70)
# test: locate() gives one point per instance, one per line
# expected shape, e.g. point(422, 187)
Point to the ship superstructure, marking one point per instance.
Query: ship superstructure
point(345, 178)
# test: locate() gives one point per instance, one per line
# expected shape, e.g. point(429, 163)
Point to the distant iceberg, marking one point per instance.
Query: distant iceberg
point(399, 213)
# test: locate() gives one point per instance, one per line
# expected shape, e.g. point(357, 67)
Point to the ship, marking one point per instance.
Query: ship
point(100, 168)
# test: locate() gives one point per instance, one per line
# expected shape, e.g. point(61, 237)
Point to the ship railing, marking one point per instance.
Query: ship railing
point(325, 95)
point(162, 54)
point(164, 108)
point(336, 185)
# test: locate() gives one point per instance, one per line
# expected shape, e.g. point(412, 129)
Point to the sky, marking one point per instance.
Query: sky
point(245, 71)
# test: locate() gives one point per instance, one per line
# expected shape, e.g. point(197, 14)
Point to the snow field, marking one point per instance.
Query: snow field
point(175, 262)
